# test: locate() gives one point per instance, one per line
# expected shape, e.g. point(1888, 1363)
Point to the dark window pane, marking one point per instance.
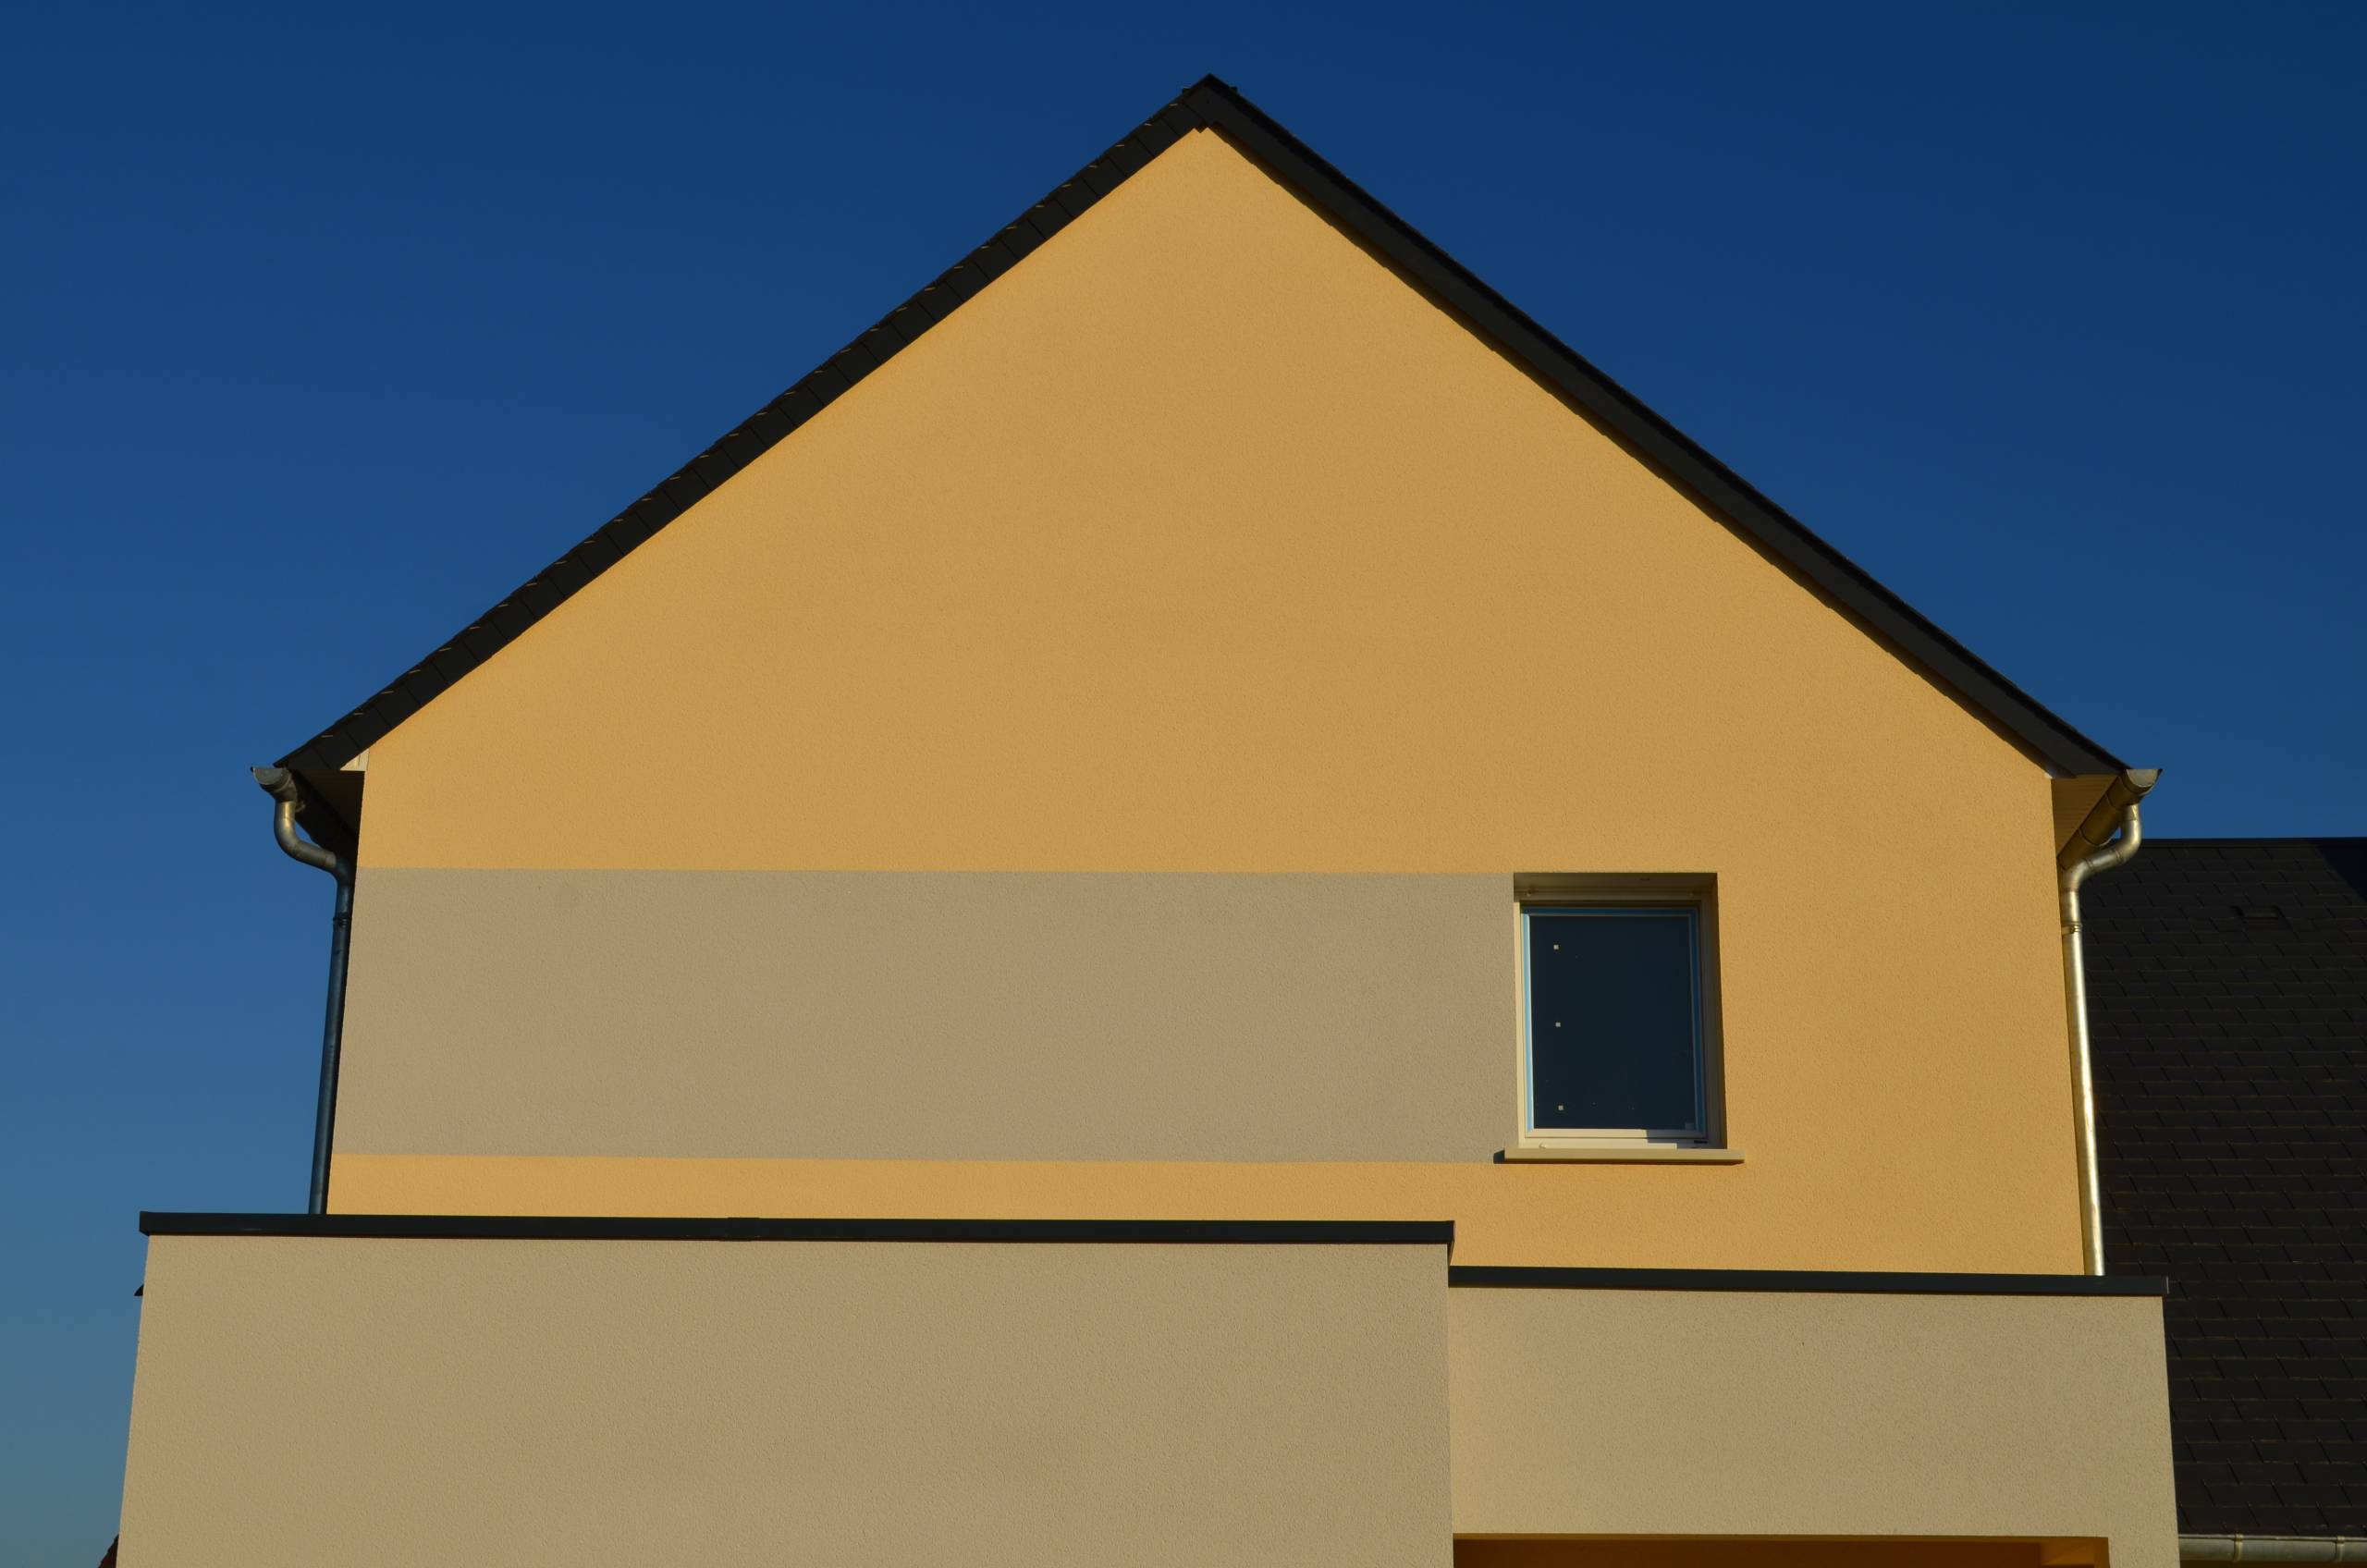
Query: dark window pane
point(1611, 1001)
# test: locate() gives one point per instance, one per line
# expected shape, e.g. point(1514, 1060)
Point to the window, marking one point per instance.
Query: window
point(1616, 1029)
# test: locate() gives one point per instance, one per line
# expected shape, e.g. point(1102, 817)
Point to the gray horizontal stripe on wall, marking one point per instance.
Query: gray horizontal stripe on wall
point(1047, 1016)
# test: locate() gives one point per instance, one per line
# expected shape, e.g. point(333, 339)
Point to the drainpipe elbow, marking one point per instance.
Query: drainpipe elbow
point(280, 785)
point(287, 800)
point(2130, 787)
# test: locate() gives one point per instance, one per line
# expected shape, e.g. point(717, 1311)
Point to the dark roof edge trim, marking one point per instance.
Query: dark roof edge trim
point(2046, 734)
point(686, 486)
point(629, 1228)
point(1360, 1233)
point(1212, 103)
point(1834, 1282)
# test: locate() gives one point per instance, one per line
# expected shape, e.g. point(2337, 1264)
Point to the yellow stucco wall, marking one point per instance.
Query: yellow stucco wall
point(1198, 542)
point(1201, 542)
point(1757, 1215)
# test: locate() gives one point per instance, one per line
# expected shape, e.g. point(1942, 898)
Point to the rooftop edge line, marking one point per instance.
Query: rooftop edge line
point(1211, 103)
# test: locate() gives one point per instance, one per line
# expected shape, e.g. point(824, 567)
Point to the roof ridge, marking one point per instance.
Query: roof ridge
point(1213, 104)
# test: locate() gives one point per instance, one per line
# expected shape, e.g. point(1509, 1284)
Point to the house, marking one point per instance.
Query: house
point(1205, 904)
point(2231, 1062)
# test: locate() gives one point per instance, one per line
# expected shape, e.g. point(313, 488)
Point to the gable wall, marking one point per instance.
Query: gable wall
point(1205, 565)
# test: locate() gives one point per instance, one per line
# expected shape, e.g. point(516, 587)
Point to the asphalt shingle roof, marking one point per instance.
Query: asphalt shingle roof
point(2228, 1009)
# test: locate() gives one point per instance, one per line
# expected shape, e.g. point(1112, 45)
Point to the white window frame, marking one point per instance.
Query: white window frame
point(1581, 895)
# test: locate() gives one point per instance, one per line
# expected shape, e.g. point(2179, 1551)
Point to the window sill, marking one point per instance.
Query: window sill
point(1615, 1154)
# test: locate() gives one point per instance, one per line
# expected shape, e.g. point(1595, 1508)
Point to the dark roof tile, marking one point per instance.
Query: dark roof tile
point(2231, 1078)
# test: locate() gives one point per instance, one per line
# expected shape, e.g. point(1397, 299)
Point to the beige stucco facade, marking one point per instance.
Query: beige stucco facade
point(304, 1399)
point(1813, 1415)
point(303, 1402)
point(958, 1016)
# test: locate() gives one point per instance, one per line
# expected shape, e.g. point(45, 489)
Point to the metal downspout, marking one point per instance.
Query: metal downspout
point(280, 785)
point(2116, 809)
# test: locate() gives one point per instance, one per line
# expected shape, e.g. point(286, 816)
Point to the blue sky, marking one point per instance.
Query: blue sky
point(322, 328)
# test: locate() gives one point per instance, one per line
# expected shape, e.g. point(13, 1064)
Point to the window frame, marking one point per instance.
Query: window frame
point(1692, 896)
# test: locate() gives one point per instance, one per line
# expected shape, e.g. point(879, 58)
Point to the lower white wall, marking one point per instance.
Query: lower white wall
point(303, 1402)
point(360, 1402)
point(1707, 1412)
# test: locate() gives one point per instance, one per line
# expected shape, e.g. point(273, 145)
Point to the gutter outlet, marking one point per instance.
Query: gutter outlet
point(2078, 862)
point(281, 786)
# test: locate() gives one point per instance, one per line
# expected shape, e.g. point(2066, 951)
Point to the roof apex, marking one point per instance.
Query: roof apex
point(1210, 104)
